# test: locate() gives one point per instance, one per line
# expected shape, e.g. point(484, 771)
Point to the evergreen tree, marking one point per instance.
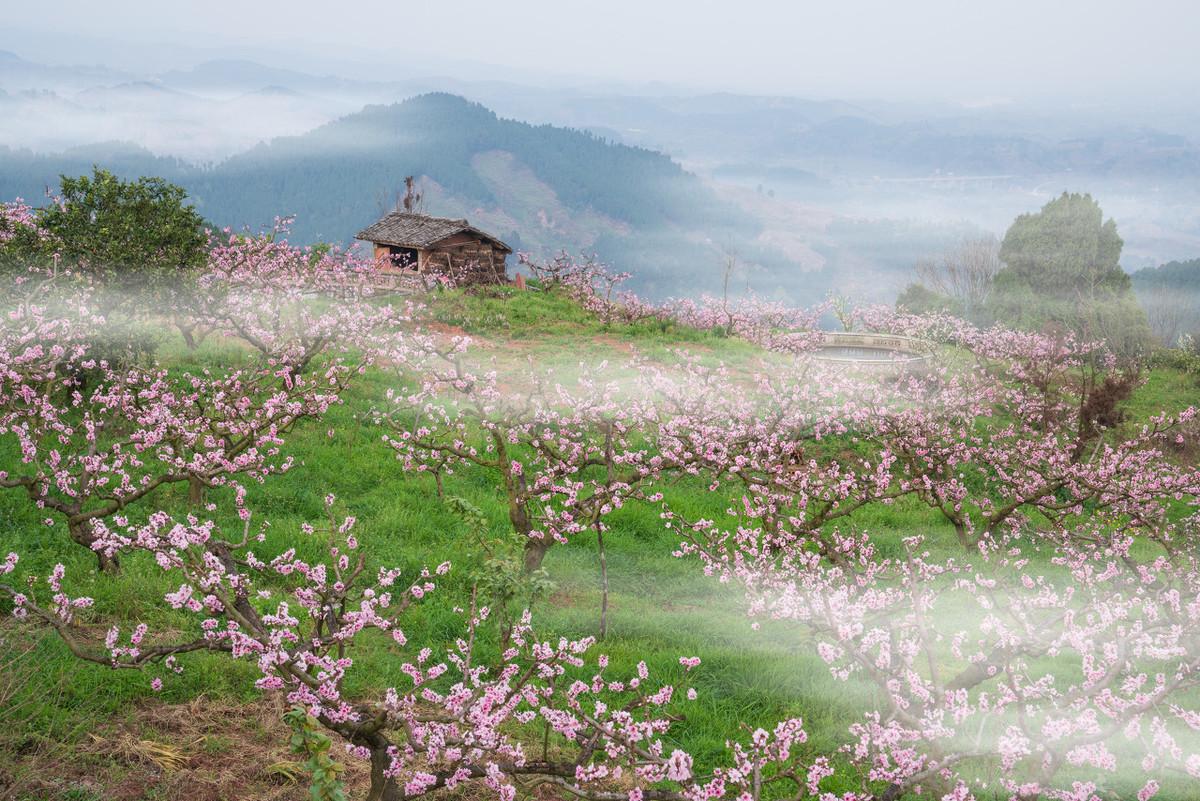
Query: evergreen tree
point(1062, 269)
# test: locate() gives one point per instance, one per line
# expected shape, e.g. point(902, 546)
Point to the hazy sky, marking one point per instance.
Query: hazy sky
point(959, 50)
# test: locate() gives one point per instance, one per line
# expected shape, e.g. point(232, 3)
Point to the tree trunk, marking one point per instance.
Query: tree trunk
point(195, 491)
point(383, 788)
point(535, 553)
point(1049, 767)
point(603, 582)
point(82, 533)
point(108, 563)
point(535, 549)
point(188, 338)
point(964, 539)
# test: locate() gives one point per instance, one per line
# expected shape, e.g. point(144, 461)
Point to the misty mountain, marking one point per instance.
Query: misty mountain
point(833, 139)
point(342, 169)
point(18, 74)
point(159, 118)
point(1170, 293)
point(849, 142)
point(809, 194)
point(204, 114)
point(540, 188)
point(223, 76)
point(31, 176)
point(227, 78)
point(179, 113)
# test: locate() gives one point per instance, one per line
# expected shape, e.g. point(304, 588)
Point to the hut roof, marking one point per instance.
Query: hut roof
point(408, 230)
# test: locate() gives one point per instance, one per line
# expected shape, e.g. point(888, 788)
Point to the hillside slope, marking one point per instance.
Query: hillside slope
point(541, 188)
point(335, 176)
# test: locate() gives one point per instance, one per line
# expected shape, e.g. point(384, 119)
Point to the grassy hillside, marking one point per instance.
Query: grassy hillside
point(70, 732)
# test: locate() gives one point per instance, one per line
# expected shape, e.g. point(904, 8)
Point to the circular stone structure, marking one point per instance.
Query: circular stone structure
point(879, 349)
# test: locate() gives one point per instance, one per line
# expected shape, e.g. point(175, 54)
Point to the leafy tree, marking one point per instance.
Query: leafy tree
point(1062, 269)
point(920, 299)
point(1065, 245)
point(141, 230)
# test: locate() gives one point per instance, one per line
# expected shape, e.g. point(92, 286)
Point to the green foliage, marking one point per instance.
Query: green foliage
point(501, 577)
point(919, 299)
point(1062, 269)
point(120, 341)
point(140, 239)
point(550, 321)
point(1064, 248)
point(1185, 358)
point(141, 231)
point(1174, 275)
point(1120, 321)
point(308, 740)
point(319, 251)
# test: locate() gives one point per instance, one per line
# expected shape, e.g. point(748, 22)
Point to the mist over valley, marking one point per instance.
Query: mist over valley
point(808, 197)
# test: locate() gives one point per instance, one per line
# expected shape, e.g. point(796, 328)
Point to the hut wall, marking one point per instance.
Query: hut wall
point(468, 260)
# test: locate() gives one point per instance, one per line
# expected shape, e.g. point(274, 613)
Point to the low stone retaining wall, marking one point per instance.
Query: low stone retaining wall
point(864, 348)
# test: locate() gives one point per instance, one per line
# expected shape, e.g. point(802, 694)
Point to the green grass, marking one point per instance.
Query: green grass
point(546, 322)
point(661, 607)
point(1166, 390)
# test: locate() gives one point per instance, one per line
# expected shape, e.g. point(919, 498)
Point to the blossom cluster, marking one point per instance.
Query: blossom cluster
point(458, 718)
point(1076, 543)
point(96, 434)
point(1049, 631)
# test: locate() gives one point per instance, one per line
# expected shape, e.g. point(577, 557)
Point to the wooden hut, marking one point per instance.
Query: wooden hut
point(407, 243)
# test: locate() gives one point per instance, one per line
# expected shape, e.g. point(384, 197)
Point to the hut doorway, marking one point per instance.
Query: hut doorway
point(404, 258)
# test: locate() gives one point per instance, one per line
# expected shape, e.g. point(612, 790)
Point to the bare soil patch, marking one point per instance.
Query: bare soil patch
point(199, 751)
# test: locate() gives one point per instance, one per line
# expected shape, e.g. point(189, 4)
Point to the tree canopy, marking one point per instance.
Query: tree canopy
point(1065, 248)
point(116, 228)
point(1062, 269)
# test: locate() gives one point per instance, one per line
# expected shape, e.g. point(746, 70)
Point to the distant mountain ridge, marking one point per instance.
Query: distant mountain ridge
point(808, 195)
point(539, 187)
point(1172, 276)
point(337, 172)
point(18, 74)
point(824, 136)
